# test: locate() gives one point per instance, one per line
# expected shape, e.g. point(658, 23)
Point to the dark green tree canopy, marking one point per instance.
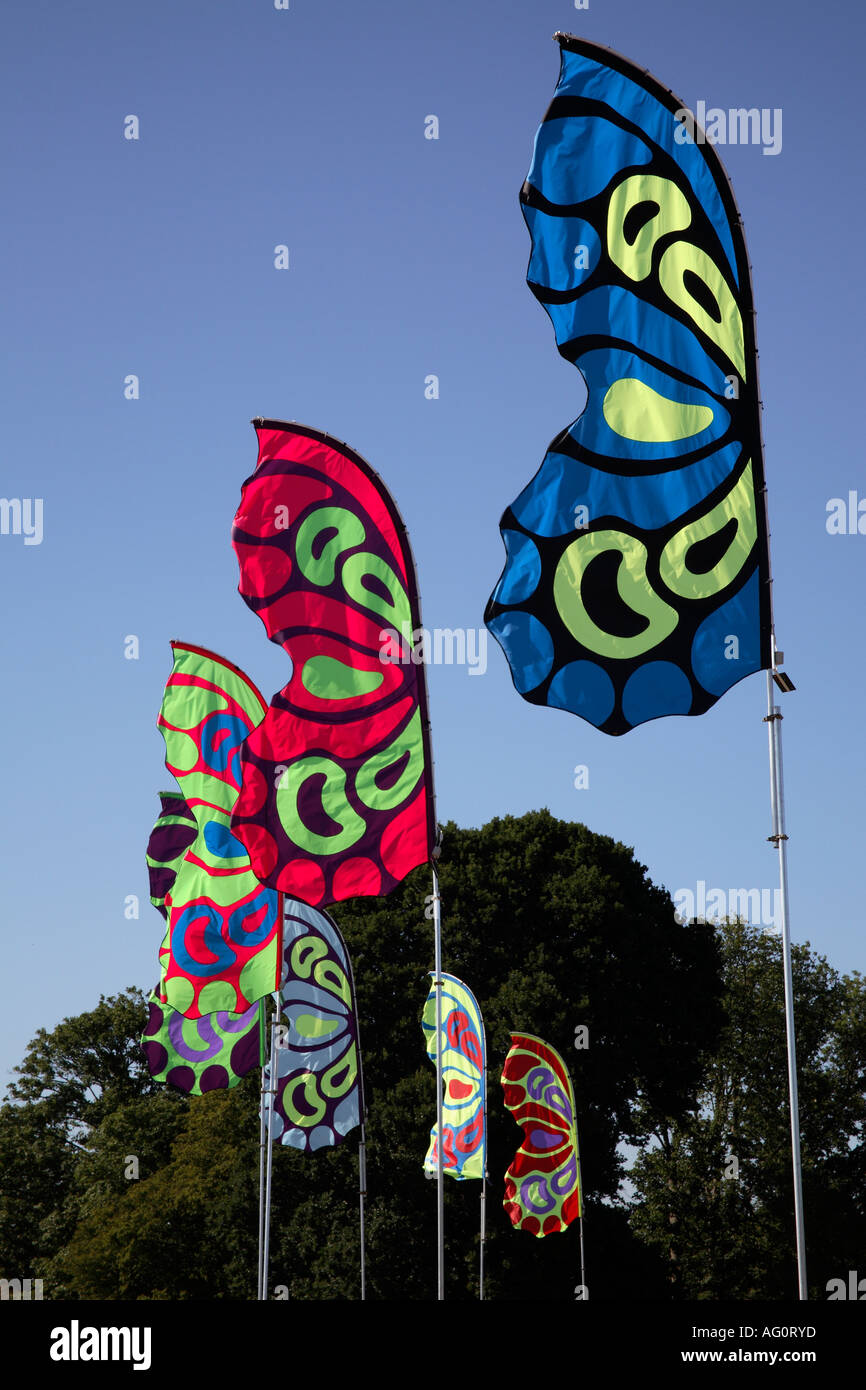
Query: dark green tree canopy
point(555, 929)
point(714, 1189)
point(87, 1066)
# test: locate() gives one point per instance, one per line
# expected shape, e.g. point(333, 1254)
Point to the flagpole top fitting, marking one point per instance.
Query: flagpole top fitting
point(783, 681)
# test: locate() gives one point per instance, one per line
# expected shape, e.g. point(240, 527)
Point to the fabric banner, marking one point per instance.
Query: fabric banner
point(170, 838)
point(542, 1184)
point(320, 1094)
point(636, 582)
point(195, 1055)
point(202, 1054)
point(337, 793)
point(222, 946)
point(464, 1151)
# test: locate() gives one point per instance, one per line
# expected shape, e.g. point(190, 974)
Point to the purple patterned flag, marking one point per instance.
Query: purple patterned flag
point(202, 1054)
point(196, 1055)
point(170, 838)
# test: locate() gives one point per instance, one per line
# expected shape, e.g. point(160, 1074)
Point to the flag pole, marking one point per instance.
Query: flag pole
point(272, 1095)
point(484, 1161)
point(440, 1174)
point(582, 1260)
point(483, 1192)
point(362, 1193)
point(272, 1090)
point(270, 1153)
point(362, 1142)
point(773, 720)
point(580, 1218)
point(483, 1236)
point(262, 1142)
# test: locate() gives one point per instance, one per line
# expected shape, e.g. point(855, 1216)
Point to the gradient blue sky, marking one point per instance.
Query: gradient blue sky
point(407, 257)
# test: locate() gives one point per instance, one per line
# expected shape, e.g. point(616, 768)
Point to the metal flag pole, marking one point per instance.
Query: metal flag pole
point(440, 1175)
point(585, 1290)
point(272, 1093)
point(484, 1160)
point(362, 1142)
point(262, 1142)
point(483, 1236)
point(582, 1260)
point(362, 1193)
point(773, 719)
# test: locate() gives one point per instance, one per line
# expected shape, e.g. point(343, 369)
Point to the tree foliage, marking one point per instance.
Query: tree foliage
point(87, 1067)
point(554, 928)
point(70, 1082)
point(714, 1193)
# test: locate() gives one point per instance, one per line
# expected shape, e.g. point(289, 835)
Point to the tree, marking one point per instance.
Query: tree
point(715, 1193)
point(554, 929)
point(87, 1066)
point(36, 1171)
point(186, 1228)
point(69, 1084)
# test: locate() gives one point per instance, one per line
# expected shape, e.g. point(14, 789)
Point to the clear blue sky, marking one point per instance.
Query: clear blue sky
point(155, 257)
